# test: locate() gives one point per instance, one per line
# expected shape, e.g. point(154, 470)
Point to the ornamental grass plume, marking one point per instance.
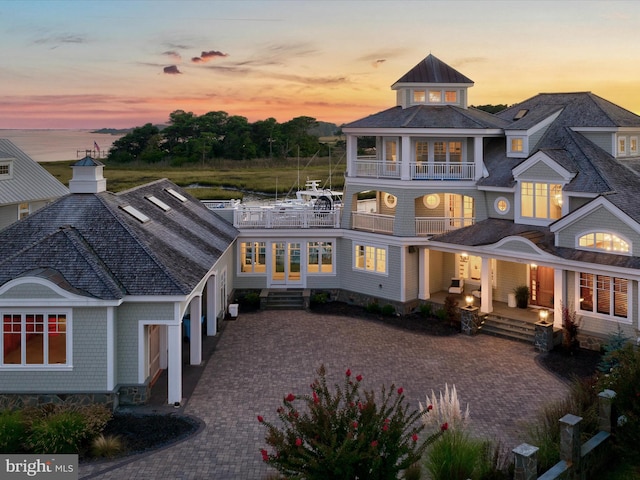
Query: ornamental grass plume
point(346, 432)
point(444, 411)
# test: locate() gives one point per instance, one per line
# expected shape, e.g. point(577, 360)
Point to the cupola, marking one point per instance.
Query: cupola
point(87, 176)
point(432, 82)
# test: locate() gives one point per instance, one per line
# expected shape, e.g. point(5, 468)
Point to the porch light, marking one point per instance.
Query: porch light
point(469, 300)
point(544, 314)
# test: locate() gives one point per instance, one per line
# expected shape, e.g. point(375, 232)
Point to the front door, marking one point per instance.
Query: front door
point(286, 263)
point(542, 286)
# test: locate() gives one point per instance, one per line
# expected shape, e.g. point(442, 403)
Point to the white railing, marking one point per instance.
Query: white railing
point(437, 225)
point(366, 167)
point(285, 217)
point(442, 171)
point(372, 222)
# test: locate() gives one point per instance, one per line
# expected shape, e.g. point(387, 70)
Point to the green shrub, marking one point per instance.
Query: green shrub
point(318, 299)
point(373, 308)
point(616, 341)
point(388, 310)
point(345, 433)
point(12, 430)
point(426, 310)
point(250, 301)
point(61, 432)
point(96, 416)
point(441, 313)
point(455, 456)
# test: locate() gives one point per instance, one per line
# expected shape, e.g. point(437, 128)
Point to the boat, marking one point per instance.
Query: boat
point(314, 196)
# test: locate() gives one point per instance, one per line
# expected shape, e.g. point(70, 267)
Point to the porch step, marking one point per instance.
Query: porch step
point(508, 328)
point(289, 299)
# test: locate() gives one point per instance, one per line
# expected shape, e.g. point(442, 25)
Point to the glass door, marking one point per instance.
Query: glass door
point(286, 263)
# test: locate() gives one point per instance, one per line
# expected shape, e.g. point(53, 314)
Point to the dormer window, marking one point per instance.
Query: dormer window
point(622, 145)
point(517, 145)
point(541, 201)
point(603, 241)
point(6, 169)
point(633, 146)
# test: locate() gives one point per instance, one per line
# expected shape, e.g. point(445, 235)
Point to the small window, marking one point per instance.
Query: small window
point(175, 194)
point(517, 145)
point(633, 146)
point(6, 170)
point(159, 203)
point(419, 96)
point(435, 96)
point(319, 257)
point(23, 210)
point(502, 205)
point(370, 258)
point(603, 241)
point(135, 213)
point(451, 96)
point(253, 257)
point(390, 200)
point(431, 201)
point(622, 145)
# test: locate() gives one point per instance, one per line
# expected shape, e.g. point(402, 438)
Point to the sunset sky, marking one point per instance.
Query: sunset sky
point(93, 63)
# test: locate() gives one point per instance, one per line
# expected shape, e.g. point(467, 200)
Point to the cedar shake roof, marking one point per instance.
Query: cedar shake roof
point(95, 247)
point(430, 116)
point(433, 70)
point(30, 182)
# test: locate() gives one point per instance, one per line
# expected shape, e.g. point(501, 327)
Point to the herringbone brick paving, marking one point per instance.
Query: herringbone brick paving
point(263, 356)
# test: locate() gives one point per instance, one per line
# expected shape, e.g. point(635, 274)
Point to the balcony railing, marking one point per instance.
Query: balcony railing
point(372, 222)
point(285, 217)
point(370, 167)
point(366, 167)
point(436, 225)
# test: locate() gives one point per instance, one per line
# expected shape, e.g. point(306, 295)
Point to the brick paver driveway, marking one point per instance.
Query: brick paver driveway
point(263, 356)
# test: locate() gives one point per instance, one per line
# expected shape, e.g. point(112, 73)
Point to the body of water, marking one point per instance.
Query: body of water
point(57, 145)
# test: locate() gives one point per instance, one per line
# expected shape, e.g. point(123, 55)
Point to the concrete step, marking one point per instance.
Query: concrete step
point(508, 328)
point(285, 300)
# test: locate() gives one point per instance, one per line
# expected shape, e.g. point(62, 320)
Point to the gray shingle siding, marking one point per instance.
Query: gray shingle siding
point(600, 220)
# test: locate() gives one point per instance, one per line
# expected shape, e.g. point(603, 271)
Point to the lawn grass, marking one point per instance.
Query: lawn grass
point(218, 179)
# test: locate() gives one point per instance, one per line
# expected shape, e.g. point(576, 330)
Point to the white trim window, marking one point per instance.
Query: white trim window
point(35, 338)
point(24, 209)
point(622, 146)
point(633, 146)
point(6, 169)
point(253, 257)
point(370, 258)
point(603, 241)
point(604, 295)
point(517, 145)
point(320, 258)
point(540, 200)
point(502, 205)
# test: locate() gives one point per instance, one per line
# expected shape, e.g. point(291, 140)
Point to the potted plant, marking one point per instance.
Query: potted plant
point(522, 296)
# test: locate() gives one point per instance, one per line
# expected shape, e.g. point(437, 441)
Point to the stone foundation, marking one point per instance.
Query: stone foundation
point(16, 401)
point(133, 394)
point(591, 341)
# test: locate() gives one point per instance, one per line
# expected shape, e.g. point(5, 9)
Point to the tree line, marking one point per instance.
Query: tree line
point(189, 138)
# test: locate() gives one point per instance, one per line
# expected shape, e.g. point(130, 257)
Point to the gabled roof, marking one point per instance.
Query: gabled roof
point(430, 116)
point(433, 70)
point(29, 182)
point(106, 253)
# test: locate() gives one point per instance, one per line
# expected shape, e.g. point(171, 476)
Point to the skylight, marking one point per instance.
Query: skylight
point(135, 213)
point(159, 203)
point(521, 113)
point(171, 191)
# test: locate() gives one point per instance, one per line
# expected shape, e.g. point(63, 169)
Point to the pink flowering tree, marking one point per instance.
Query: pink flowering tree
point(345, 433)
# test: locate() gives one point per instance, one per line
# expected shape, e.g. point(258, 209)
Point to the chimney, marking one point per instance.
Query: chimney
point(87, 176)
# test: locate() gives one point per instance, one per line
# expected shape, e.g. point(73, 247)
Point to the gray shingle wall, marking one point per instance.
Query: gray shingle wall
point(32, 290)
point(598, 220)
point(604, 140)
point(538, 171)
point(8, 215)
point(508, 276)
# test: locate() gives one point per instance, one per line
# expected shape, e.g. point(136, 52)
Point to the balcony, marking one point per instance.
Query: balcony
point(435, 225)
point(285, 217)
point(372, 222)
point(370, 167)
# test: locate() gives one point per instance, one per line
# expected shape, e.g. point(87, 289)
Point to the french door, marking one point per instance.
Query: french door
point(286, 263)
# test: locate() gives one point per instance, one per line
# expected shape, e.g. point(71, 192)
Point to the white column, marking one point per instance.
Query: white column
point(212, 307)
point(164, 359)
point(405, 158)
point(558, 296)
point(352, 155)
point(174, 341)
point(424, 286)
point(195, 345)
point(478, 156)
point(486, 288)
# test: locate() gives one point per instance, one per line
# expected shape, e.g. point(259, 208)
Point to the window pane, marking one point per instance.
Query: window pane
point(57, 339)
point(603, 294)
point(11, 336)
point(327, 258)
point(435, 96)
point(35, 339)
point(359, 256)
point(418, 96)
point(439, 152)
point(586, 291)
point(422, 151)
point(541, 200)
point(381, 260)
point(526, 198)
point(370, 253)
point(620, 299)
point(455, 151)
point(451, 96)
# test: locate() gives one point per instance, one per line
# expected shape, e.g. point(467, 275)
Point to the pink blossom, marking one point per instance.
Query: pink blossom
point(265, 455)
point(260, 418)
point(355, 424)
point(359, 378)
point(444, 426)
point(374, 443)
point(385, 427)
point(316, 400)
point(290, 398)
point(414, 437)
point(400, 390)
point(429, 408)
point(298, 442)
point(348, 372)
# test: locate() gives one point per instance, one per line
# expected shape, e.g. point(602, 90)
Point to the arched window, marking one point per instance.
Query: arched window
point(604, 241)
